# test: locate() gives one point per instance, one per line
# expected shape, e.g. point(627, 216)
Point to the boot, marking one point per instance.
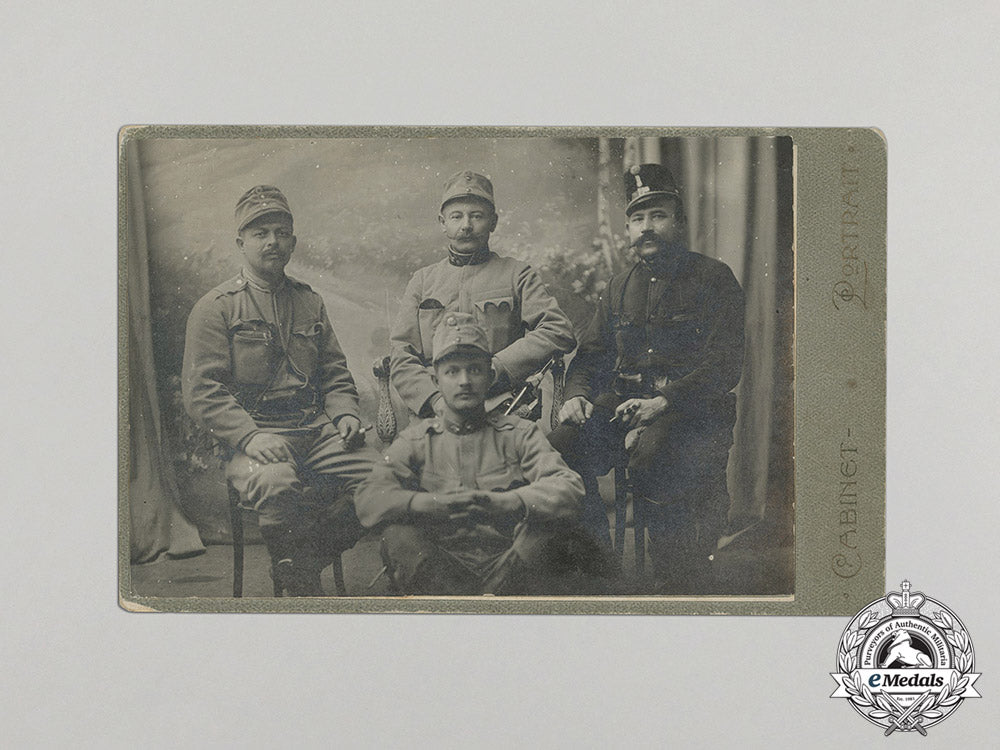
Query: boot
point(293, 567)
point(292, 580)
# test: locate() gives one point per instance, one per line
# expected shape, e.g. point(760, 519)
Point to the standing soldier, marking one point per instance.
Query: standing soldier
point(655, 371)
point(524, 326)
point(265, 376)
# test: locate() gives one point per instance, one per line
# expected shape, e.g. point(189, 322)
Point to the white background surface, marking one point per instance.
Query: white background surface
point(78, 670)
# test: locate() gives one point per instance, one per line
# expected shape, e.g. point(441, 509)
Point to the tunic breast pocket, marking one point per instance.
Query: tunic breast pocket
point(255, 352)
point(303, 347)
point(429, 314)
point(496, 314)
point(677, 334)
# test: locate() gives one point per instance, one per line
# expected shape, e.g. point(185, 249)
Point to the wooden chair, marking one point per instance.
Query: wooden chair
point(236, 511)
point(622, 494)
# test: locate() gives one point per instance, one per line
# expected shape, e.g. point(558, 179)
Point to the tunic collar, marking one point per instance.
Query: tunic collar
point(662, 265)
point(258, 283)
point(454, 424)
point(468, 259)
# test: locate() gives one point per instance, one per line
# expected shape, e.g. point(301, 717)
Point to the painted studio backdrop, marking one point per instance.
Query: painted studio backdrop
point(366, 218)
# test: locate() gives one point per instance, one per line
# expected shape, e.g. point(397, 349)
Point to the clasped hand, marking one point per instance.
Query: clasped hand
point(465, 506)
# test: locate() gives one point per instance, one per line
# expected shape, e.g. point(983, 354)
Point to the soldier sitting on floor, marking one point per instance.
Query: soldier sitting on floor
point(470, 503)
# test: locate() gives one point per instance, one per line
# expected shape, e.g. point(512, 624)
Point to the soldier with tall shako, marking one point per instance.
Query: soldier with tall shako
point(654, 375)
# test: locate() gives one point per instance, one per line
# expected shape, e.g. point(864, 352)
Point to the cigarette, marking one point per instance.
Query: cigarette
point(361, 431)
point(628, 410)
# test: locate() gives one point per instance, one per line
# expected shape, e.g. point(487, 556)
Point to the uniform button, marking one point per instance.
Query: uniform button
point(450, 321)
point(653, 280)
point(649, 351)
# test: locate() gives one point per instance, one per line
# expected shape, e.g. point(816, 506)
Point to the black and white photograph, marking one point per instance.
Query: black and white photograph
point(460, 366)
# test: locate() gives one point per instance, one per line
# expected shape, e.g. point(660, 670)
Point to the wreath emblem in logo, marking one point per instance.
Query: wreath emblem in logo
point(905, 662)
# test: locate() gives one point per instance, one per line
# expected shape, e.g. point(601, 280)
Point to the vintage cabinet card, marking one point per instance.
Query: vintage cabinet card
point(709, 303)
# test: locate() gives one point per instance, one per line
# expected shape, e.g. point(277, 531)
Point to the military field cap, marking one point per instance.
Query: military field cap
point(258, 201)
point(646, 181)
point(459, 331)
point(466, 184)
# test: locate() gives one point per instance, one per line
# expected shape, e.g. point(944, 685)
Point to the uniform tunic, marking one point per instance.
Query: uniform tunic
point(267, 359)
point(494, 454)
point(523, 322)
point(678, 325)
point(236, 378)
point(673, 328)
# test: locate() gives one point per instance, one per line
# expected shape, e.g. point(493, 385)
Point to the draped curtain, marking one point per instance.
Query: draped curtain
point(158, 527)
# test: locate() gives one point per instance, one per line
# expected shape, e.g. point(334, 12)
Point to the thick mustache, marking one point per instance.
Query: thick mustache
point(648, 237)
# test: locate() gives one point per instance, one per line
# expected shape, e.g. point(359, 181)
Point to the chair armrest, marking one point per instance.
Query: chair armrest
point(386, 426)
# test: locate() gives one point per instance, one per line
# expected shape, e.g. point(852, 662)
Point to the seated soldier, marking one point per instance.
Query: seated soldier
point(265, 376)
point(470, 503)
point(523, 324)
point(654, 376)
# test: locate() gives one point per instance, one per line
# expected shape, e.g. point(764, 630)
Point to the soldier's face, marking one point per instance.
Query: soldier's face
point(653, 227)
point(267, 244)
point(468, 223)
point(463, 381)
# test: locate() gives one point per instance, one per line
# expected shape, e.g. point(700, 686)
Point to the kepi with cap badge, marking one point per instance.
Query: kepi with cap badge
point(467, 184)
point(459, 331)
point(646, 181)
point(258, 201)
